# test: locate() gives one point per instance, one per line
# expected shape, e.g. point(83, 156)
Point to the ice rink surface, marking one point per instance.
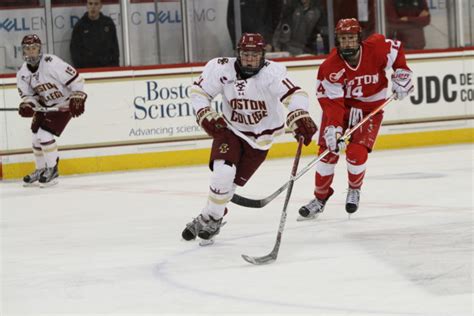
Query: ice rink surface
point(111, 243)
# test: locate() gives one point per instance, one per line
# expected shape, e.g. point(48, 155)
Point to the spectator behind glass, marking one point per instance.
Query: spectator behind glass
point(406, 20)
point(94, 39)
point(257, 16)
point(296, 32)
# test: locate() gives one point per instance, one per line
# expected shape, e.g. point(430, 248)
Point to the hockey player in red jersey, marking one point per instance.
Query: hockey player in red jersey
point(351, 83)
point(254, 92)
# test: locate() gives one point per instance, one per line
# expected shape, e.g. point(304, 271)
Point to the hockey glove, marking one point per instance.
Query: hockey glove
point(302, 125)
point(402, 84)
point(211, 121)
point(77, 101)
point(26, 109)
point(332, 137)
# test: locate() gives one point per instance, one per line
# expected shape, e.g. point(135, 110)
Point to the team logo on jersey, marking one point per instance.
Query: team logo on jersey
point(224, 148)
point(222, 61)
point(48, 59)
point(335, 76)
point(240, 85)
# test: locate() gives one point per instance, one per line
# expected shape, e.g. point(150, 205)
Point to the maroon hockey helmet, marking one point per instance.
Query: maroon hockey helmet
point(31, 40)
point(253, 42)
point(348, 26)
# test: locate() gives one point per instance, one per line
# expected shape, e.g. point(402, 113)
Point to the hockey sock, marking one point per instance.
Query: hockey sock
point(49, 147)
point(356, 157)
point(221, 189)
point(38, 153)
point(325, 175)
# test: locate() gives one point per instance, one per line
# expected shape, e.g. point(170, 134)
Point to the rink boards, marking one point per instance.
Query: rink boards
point(142, 118)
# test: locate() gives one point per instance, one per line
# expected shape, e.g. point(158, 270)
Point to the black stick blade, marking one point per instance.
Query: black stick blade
point(259, 260)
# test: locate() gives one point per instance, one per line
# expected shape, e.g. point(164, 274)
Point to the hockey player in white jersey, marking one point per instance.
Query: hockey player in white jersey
point(52, 92)
point(253, 91)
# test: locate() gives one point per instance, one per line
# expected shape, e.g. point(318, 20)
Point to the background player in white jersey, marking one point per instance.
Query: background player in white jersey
point(351, 83)
point(51, 92)
point(253, 90)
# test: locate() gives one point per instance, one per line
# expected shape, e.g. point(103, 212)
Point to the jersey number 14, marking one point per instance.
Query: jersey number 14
point(354, 92)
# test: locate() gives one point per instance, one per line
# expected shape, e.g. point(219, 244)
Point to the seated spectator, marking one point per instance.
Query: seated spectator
point(94, 39)
point(297, 31)
point(406, 20)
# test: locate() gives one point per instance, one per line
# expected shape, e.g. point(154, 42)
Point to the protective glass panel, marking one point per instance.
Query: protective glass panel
point(468, 22)
point(421, 24)
point(211, 27)
point(302, 28)
point(17, 19)
point(363, 10)
point(87, 33)
point(156, 32)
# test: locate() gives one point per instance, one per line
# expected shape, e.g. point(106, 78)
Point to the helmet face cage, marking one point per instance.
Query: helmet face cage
point(31, 41)
point(253, 42)
point(348, 26)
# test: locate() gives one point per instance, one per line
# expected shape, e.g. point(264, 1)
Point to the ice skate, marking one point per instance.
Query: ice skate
point(352, 200)
point(210, 228)
point(193, 228)
point(30, 179)
point(313, 208)
point(49, 177)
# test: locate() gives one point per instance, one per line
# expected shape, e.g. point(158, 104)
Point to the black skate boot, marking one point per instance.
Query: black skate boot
point(48, 177)
point(193, 228)
point(211, 228)
point(352, 200)
point(30, 179)
point(313, 208)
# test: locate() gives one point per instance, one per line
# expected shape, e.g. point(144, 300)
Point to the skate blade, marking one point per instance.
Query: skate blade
point(205, 243)
point(48, 184)
point(308, 218)
point(31, 185)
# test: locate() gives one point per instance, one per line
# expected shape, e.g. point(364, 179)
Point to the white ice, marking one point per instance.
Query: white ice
point(111, 243)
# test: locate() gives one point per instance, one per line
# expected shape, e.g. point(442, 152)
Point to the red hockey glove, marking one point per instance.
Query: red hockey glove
point(77, 101)
point(332, 137)
point(302, 125)
point(26, 109)
point(402, 85)
point(211, 121)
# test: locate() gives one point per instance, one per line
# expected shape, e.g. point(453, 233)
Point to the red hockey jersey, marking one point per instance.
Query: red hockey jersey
point(340, 86)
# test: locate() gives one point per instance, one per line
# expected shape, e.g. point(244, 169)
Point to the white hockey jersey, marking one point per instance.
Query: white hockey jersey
point(252, 107)
point(51, 84)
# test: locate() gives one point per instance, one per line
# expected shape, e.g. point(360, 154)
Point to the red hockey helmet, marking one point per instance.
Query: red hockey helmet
point(250, 42)
point(31, 40)
point(348, 27)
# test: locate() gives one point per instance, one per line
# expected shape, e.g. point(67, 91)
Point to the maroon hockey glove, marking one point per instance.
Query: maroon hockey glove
point(77, 101)
point(26, 109)
point(301, 124)
point(211, 121)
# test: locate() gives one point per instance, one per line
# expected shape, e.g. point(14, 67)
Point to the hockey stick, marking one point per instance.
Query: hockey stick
point(272, 256)
point(62, 107)
point(253, 203)
point(40, 109)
